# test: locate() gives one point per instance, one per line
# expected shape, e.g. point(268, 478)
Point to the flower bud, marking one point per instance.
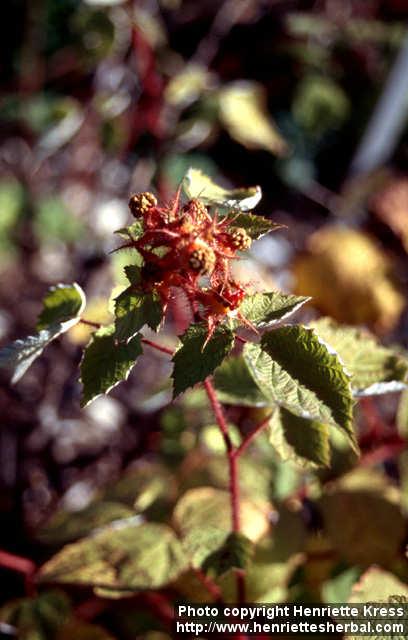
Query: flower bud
point(240, 239)
point(140, 203)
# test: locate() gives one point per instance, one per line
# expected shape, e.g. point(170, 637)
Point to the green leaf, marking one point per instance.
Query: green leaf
point(255, 225)
point(20, 354)
point(235, 385)
point(61, 303)
point(133, 273)
point(105, 363)
point(377, 585)
point(38, 618)
point(302, 441)
point(66, 526)
point(235, 553)
point(203, 518)
point(265, 309)
point(133, 232)
point(193, 362)
point(374, 369)
point(197, 185)
point(296, 371)
point(358, 498)
point(126, 556)
point(133, 310)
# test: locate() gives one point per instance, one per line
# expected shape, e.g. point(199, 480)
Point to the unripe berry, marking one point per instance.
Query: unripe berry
point(240, 239)
point(196, 209)
point(140, 203)
point(202, 259)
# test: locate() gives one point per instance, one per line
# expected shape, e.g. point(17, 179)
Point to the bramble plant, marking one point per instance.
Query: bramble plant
point(301, 382)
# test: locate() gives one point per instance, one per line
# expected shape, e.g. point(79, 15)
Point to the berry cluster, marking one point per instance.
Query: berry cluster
point(185, 247)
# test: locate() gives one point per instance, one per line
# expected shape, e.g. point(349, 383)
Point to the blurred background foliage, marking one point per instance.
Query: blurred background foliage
point(101, 98)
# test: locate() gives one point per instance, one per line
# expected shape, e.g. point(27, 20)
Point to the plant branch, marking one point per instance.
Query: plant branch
point(158, 347)
point(250, 437)
point(233, 474)
point(21, 565)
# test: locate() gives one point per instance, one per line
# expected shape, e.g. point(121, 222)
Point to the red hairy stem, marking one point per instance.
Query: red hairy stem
point(233, 474)
point(212, 588)
point(158, 347)
point(250, 437)
point(21, 565)
point(96, 325)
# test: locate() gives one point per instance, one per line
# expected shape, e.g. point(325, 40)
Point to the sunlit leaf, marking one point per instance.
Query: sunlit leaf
point(187, 85)
point(374, 368)
point(105, 363)
point(348, 278)
point(296, 371)
point(197, 185)
point(66, 526)
point(377, 585)
point(62, 302)
point(358, 498)
point(256, 226)
point(244, 115)
point(265, 309)
point(130, 557)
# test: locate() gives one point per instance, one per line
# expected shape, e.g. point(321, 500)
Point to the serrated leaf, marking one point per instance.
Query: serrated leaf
point(235, 385)
point(256, 226)
point(133, 273)
point(63, 305)
point(377, 585)
point(134, 309)
point(374, 369)
point(66, 526)
point(296, 371)
point(105, 363)
point(197, 185)
point(130, 557)
point(20, 354)
point(302, 441)
point(62, 302)
point(133, 232)
point(265, 309)
point(192, 362)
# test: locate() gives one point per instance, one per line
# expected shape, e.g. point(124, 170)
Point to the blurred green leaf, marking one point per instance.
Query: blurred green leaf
point(300, 440)
point(38, 618)
point(131, 557)
point(53, 221)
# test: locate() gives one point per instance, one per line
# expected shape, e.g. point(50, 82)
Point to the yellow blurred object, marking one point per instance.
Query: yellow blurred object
point(349, 278)
point(243, 113)
point(97, 310)
point(188, 85)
